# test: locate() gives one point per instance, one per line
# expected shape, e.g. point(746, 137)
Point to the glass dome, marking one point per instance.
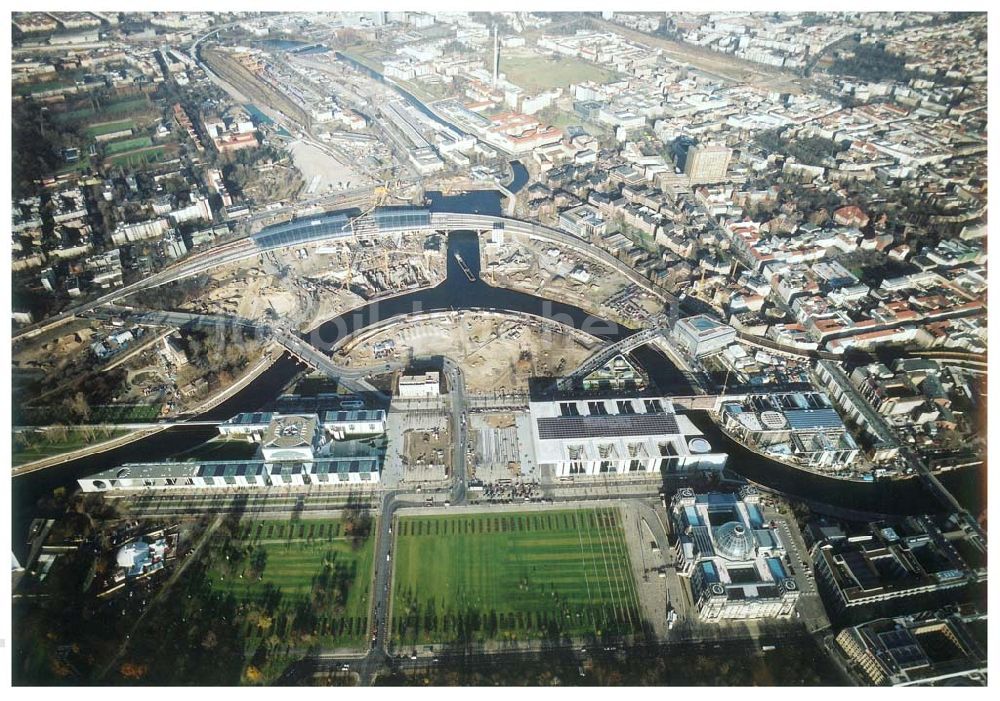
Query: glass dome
point(734, 541)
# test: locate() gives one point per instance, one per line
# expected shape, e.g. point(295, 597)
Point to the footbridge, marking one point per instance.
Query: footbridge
point(602, 355)
point(351, 378)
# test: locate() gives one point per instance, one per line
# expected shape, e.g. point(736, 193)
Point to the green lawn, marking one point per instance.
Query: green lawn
point(124, 413)
point(370, 56)
point(36, 446)
point(534, 72)
point(123, 145)
point(307, 573)
point(127, 105)
point(80, 165)
point(220, 449)
point(544, 574)
point(34, 88)
point(109, 127)
point(142, 156)
point(109, 109)
point(99, 414)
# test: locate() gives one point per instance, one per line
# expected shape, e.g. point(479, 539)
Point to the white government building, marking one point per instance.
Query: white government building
point(702, 335)
point(337, 448)
point(621, 436)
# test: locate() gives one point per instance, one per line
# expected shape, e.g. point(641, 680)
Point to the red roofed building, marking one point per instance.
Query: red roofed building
point(233, 141)
point(851, 216)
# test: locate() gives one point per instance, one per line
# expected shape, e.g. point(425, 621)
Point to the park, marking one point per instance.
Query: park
point(309, 577)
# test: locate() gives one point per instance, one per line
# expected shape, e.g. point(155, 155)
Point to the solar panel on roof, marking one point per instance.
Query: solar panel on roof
point(559, 427)
point(708, 571)
point(776, 569)
point(767, 591)
point(909, 656)
point(804, 419)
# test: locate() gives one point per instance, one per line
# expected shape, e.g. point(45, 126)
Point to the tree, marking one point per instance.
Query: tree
point(210, 640)
point(79, 407)
point(872, 62)
point(133, 670)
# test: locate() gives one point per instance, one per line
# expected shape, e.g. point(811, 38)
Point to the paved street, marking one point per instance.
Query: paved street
point(810, 606)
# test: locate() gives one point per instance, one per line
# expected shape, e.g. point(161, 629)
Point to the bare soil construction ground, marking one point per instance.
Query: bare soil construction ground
point(427, 453)
point(555, 273)
point(496, 351)
point(322, 172)
point(497, 454)
point(308, 289)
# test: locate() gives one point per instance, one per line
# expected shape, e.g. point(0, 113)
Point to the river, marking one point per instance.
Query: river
point(29, 488)
point(457, 292)
point(520, 176)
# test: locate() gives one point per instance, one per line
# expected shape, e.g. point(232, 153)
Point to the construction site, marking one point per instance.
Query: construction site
point(427, 452)
point(498, 352)
point(546, 270)
point(310, 285)
point(501, 443)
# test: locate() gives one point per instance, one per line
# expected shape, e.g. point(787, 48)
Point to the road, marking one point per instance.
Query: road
point(719, 645)
point(459, 428)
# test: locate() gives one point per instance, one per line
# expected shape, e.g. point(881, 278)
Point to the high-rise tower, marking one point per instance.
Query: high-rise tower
point(496, 55)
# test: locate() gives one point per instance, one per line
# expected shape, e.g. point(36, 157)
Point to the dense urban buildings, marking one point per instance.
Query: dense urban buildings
point(351, 345)
point(893, 561)
point(920, 650)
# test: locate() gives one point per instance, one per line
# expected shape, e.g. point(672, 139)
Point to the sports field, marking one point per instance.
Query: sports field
point(128, 145)
point(308, 570)
point(109, 127)
point(142, 156)
point(512, 576)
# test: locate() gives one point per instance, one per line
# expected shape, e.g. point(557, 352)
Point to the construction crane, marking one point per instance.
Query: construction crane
point(380, 196)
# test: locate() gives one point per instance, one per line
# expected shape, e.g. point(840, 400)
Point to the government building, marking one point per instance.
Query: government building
point(622, 436)
point(730, 557)
point(330, 449)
